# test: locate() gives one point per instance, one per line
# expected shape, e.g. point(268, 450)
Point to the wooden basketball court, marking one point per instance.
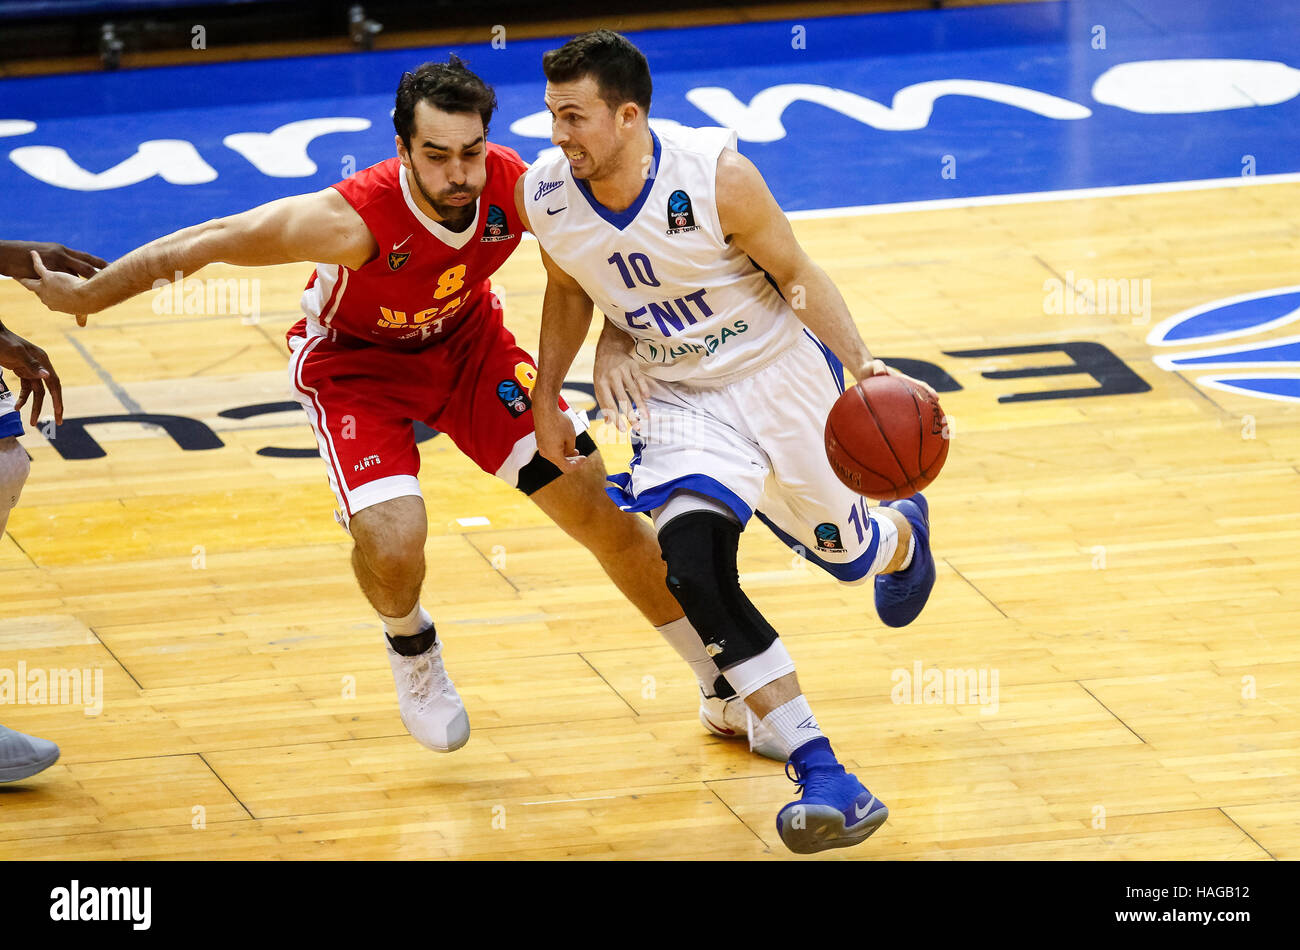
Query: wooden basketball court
point(1121, 568)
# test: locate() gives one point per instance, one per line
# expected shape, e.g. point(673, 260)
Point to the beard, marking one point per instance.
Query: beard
point(454, 217)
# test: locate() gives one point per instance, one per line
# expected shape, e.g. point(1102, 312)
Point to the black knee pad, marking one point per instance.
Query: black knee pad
point(700, 551)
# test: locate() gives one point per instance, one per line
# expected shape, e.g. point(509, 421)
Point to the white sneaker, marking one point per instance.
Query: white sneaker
point(22, 756)
point(732, 719)
point(431, 708)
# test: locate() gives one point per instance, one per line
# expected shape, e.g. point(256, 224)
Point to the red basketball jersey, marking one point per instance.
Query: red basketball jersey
point(426, 280)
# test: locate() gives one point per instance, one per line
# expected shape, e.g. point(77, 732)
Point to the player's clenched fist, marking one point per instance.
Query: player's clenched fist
point(556, 440)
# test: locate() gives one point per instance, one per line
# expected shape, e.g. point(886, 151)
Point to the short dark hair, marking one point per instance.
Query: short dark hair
point(449, 86)
point(619, 68)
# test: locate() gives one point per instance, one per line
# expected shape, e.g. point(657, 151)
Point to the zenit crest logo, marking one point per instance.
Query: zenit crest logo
point(681, 217)
point(497, 227)
point(514, 398)
point(828, 538)
point(1246, 315)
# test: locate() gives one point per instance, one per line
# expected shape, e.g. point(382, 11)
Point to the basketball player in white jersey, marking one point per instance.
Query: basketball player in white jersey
point(22, 756)
point(676, 238)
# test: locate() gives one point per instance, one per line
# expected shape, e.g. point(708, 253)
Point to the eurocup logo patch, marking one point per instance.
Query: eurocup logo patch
point(828, 538)
point(1246, 315)
point(497, 226)
point(681, 217)
point(513, 397)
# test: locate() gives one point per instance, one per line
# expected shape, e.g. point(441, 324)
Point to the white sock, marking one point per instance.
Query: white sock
point(911, 549)
point(417, 621)
point(681, 636)
point(793, 724)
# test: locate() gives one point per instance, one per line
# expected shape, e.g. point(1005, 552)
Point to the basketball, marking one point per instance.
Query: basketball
point(886, 438)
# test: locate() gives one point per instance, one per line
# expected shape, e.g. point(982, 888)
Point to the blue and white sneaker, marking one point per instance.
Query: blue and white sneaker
point(22, 756)
point(901, 596)
point(835, 809)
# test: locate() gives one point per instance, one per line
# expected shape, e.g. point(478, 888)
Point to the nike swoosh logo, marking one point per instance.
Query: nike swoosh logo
point(861, 813)
point(723, 729)
point(408, 237)
point(556, 211)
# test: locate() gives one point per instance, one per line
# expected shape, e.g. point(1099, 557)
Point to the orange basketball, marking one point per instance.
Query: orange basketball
point(886, 438)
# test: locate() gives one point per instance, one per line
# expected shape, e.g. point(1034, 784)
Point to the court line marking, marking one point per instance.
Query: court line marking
point(976, 589)
point(113, 386)
point(109, 650)
point(562, 801)
point(744, 824)
point(1109, 710)
point(217, 776)
point(1034, 197)
point(10, 535)
point(1244, 831)
point(495, 570)
point(608, 683)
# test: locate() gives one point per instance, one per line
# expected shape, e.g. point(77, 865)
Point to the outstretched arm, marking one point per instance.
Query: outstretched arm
point(320, 227)
point(751, 217)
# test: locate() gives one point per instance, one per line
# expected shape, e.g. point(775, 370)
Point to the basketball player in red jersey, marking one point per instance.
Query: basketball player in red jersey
point(401, 325)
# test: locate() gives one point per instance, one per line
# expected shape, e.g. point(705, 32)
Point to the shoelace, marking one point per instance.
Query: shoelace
point(426, 680)
point(796, 777)
point(816, 781)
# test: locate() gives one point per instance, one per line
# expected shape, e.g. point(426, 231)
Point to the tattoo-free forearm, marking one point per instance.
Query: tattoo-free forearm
point(613, 342)
point(824, 312)
point(566, 316)
point(181, 252)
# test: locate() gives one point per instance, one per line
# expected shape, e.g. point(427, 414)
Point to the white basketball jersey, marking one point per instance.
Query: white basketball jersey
point(662, 271)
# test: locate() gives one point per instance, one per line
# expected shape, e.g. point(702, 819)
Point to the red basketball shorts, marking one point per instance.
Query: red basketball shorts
point(361, 400)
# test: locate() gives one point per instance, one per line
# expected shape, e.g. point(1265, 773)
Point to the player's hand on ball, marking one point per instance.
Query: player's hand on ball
point(619, 389)
point(58, 291)
point(878, 368)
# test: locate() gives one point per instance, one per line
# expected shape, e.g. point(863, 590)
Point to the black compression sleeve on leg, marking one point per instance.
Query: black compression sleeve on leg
point(700, 550)
point(540, 472)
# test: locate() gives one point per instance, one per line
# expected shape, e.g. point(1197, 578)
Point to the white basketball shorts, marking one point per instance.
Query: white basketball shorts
point(11, 422)
point(757, 445)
